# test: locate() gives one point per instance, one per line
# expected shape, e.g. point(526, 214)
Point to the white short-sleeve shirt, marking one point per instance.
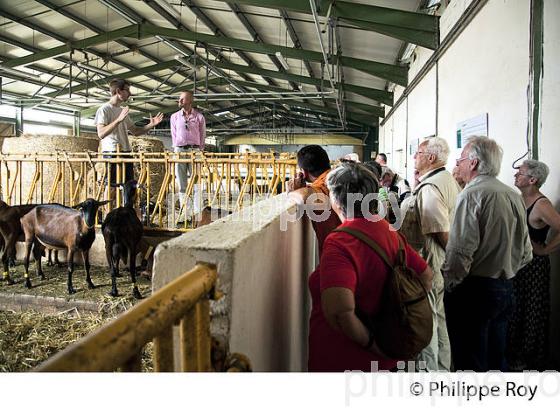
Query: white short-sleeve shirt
point(105, 115)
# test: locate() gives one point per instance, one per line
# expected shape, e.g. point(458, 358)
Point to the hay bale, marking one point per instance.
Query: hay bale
point(29, 144)
point(33, 144)
point(7, 129)
point(157, 171)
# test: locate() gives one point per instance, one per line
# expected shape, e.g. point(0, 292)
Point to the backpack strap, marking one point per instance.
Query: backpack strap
point(373, 245)
point(425, 182)
point(401, 256)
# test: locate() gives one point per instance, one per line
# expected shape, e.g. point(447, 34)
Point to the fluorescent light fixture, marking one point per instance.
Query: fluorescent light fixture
point(212, 70)
point(232, 88)
point(171, 45)
point(185, 62)
point(220, 114)
point(19, 73)
point(408, 51)
point(236, 88)
point(53, 56)
point(94, 69)
point(169, 8)
point(282, 60)
point(115, 7)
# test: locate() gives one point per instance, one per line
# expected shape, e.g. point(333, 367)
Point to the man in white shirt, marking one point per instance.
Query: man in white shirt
point(428, 213)
point(114, 124)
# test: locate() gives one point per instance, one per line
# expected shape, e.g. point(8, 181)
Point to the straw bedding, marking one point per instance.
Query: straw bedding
point(28, 338)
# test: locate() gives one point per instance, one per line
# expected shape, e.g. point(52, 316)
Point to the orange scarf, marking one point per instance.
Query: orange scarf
point(320, 184)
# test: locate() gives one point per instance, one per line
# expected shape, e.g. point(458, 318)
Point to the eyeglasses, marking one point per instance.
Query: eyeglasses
point(458, 160)
point(422, 152)
point(523, 175)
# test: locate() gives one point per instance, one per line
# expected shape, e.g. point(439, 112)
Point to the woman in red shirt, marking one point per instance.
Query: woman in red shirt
point(351, 276)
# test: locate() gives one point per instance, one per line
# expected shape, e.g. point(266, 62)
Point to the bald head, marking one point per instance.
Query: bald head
point(185, 100)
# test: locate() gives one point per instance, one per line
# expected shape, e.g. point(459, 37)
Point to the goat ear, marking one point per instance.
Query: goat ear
point(116, 185)
point(78, 206)
point(101, 203)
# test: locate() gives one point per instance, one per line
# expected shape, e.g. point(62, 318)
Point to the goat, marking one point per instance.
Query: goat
point(10, 232)
point(60, 227)
point(122, 231)
point(50, 261)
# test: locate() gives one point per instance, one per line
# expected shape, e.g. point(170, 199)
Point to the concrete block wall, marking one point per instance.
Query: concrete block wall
point(262, 271)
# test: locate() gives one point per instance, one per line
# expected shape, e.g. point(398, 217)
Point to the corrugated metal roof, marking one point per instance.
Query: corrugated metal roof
point(234, 42)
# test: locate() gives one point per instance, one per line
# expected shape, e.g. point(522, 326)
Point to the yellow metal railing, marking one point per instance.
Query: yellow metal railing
point(221, 180)
point(119, 344)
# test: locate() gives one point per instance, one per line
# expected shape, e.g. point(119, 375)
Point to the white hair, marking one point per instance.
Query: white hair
point(437, 146)
point(488, 153)
point(347, 181)
point(538, 170)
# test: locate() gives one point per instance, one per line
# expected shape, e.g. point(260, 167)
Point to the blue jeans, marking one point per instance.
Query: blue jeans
point(478, 311)
point(128, 169)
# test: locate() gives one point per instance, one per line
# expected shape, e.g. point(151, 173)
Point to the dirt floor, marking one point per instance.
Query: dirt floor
point(29, 338)
point(55, 283)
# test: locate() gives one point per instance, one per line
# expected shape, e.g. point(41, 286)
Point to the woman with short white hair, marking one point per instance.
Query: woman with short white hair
point(528, 330)
point(350, 277)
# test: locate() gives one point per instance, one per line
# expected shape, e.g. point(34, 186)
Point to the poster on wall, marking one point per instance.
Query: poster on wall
point(473, 126)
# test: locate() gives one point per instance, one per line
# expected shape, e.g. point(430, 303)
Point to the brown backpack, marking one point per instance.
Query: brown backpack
point(403, 325)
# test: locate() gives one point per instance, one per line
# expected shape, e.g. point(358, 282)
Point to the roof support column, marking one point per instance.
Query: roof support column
point(19, 120)
point(536, 64)
point(76, 125)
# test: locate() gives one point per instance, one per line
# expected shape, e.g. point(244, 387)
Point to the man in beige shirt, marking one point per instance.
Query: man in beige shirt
point(488, 243)
point(428, 213)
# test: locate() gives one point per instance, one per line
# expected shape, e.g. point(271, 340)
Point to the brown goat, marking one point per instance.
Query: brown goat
point(60, 227)
point(10, 233)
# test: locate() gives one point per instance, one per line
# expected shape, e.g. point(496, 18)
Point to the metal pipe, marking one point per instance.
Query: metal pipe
point(325, 58)
point(93, 69)
point(259, 93)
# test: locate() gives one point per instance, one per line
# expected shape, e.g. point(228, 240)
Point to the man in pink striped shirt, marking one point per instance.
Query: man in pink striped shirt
point(188, 132)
